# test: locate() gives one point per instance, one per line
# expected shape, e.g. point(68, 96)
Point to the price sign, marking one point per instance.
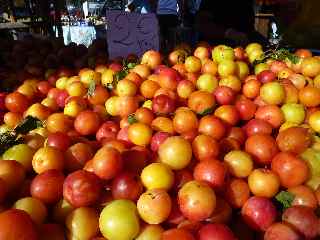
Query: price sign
point(131, 33)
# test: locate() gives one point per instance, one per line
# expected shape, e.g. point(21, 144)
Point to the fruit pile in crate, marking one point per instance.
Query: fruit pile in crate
point(211, 144)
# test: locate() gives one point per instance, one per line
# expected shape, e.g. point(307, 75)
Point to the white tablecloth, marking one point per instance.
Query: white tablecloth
point(79, 34)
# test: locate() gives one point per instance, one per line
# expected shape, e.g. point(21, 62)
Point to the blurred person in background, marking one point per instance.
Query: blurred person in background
point(139, 6)
point(227, 21)
point(299, 22)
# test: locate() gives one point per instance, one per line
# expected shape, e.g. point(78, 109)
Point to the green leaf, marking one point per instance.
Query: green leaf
point(285, 198)
point(131, 65)
point(92, 88)
point(132, 119)
point(206, 112)
point(28, 124)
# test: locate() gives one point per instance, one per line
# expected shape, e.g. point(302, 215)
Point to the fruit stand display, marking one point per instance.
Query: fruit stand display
point(210, 143)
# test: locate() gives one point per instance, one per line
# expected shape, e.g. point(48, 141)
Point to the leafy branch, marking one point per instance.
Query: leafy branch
point(127, 66)
point(278, 54)
point(13, 137)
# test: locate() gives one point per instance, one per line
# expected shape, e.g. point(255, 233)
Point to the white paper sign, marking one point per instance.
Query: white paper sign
point(131, 33)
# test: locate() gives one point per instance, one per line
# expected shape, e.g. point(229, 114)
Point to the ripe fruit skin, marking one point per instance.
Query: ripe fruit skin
point(22, 153)
point(205, 147)
point(150, 232)
point(293, 113)
point(237, 192)
point(177, 233)
point(82, 188)
point(140, 134)
point(34, 207)
point(82, 223)
point(259, 213)
point(272, 93)
point(157, 176)
point(176, 152)
point(201, 193)
point(314, 121)
point(239, 163)
point(213, 172)
point(292, 171)
point(22, 229)
point(47, 158)
point(48, 186)
point(303, 219)
point(212, 126)
point(259, 179)
point(87, 122)
point(262, 147)
point(119, 220)
point(295, 140)
point(154, 206)
point(16, 102)
point(107, 163)
point(281, 231)
point(216, 232)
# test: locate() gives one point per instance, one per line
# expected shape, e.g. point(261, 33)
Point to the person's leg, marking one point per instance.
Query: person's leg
point(167, 22)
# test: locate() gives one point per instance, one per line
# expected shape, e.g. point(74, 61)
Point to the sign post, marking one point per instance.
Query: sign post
point(131, 33)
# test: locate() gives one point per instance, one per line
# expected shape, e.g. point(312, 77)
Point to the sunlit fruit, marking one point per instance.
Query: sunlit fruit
point(157, 176)
point(107, 163)
point(207, 82)
point(205, 147)
point(16, 102)
point(185, 121)
point(201, 193)
point(47, 158)
point(150, 232)
point(119, 220)
point(58, 122)
point(34, 207)
point(222, 52)
point(201, 101)
point(292, 171)
point(82, 223)
point(310, 67)
point(309, 96)
point(272, 93)
point(22, 153)
point(259, 179)
point(140, 134)
point(176, 152)
point(262, 147)
point(239, 163)
point(213, 172)
point(294, 139)
point(193, 64)
point(314, 121)
point(154, 206)
point(227, 68)
point(87, 122)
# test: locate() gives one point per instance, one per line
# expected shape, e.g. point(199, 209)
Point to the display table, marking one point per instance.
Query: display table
point(79, 34)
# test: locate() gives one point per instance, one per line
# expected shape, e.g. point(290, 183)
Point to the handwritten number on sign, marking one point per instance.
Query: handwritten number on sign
point(122, 24)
